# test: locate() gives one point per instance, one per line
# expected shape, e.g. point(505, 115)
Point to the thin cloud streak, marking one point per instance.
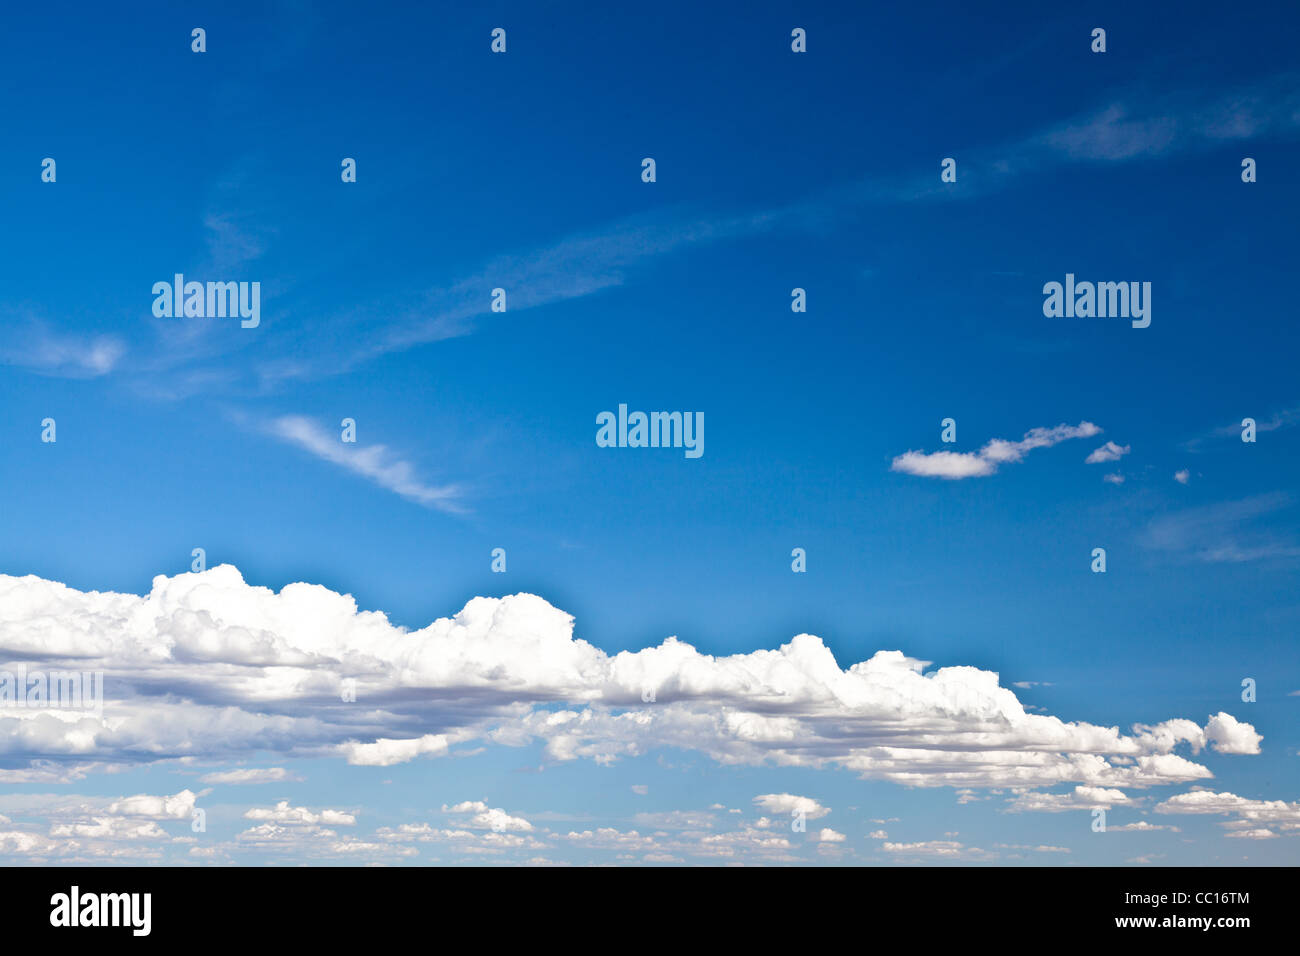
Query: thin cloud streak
point(375, 463)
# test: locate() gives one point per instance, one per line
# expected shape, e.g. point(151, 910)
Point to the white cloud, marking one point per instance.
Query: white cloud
point(374, 462)
point(1114, 479)
point(1251, 816)
point(251, 776)
point(940, 849)
point(998, 451)
point(1081, 798)
point(786, 804)
point(286, 815)
point(176, 807)
point(483, 817)
point(1107, 452)
point(1183, 476)
point(1230, 531)
point(1141, 826)
point(206, 667)
point(1041, 848)
point(31, 344)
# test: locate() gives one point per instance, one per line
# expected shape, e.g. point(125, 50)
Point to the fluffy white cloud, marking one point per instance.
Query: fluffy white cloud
point(483, 817)
point(1081, 798)
point(286, 815)
point(786, 804)
point(998, 451)
point(940, 849)
point(82, 829)
point(1107, 452)
point(207, 667)
point(1252, 818)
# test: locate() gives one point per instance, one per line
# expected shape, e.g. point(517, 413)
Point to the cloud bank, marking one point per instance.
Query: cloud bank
point(206, 666)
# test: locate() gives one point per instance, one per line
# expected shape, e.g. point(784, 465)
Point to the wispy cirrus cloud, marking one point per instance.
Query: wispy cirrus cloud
point(1130, 128)
point(998, 451)
point(373, 462)
point(251, 775)
point(1230, 531)
point(1285, 418)
point(33, 345)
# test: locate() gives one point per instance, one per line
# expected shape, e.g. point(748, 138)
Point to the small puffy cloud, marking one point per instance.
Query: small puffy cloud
point(285, 815)
point(1183, 476)
point(827, 835)
point(1258, 833)
point(937, 849)
point(787, 804)
point(482, 817)
point(1141, 826)
point(1228, 735)
point(1107, 452)
point(1030, 848)
point(1081, 798)
point(943, 464)
point(385, 752)
point(1115, 479)
point(176, 807)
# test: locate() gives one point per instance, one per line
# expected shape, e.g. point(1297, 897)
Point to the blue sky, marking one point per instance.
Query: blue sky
point(475, 429)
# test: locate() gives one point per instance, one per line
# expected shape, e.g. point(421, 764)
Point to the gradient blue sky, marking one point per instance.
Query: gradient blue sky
point(774, 170)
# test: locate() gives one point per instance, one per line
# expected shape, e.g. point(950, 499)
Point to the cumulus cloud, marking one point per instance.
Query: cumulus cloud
point(1080, 798)
point(998, 451)
point(786, 804)
point(482, 817)
point(286, 815)
point(1107, 452)
point(939, 849)
point(207, 667)
point(82, 829)
point(1251, 818)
